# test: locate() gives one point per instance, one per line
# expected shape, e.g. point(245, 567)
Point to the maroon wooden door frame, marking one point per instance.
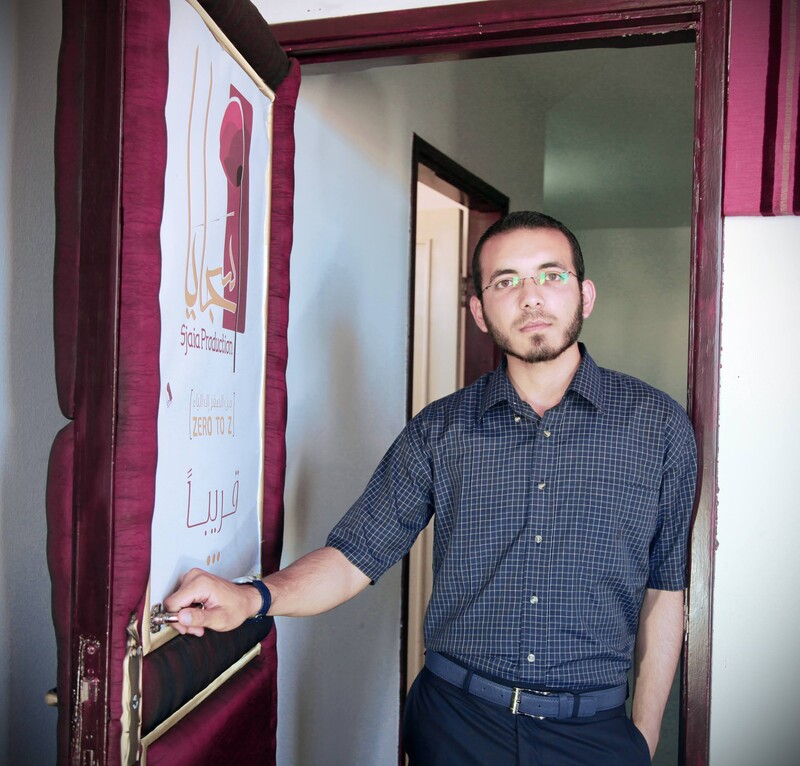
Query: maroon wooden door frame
point(497, 27)
point(97, 188)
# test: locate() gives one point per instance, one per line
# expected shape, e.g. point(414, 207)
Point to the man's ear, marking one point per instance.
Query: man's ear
point(476, 307)
point(589, 296)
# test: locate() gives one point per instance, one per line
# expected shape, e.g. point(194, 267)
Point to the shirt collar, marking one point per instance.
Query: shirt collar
point(587, 382)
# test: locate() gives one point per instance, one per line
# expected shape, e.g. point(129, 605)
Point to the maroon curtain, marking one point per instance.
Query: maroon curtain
point(762, 161)
point(239, 719)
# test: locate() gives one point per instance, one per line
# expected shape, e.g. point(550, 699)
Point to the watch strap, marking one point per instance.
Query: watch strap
point(266, 596)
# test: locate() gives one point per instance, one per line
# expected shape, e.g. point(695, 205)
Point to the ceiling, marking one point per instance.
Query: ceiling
point(618, 126)
point(618, 130)
point(619, 136)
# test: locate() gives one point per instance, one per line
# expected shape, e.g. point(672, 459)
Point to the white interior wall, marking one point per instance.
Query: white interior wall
point(756, 617)
point(348, 343)
point(29, 417)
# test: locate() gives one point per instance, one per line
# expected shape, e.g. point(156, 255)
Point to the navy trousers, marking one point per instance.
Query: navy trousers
point(445, 726)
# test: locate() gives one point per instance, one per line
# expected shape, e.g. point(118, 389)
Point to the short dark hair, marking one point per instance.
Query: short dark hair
point(524, 219)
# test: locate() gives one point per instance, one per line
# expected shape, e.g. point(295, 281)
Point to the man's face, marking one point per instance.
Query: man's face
point(533, 322)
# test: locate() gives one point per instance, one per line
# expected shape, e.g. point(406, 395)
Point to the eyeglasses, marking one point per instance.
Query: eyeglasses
point(543, 278)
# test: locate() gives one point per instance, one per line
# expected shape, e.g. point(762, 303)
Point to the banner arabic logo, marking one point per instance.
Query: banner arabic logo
point(219, 280)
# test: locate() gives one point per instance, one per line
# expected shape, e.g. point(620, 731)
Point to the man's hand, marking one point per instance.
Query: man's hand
point(651, 735)
point(204, 600)
point(315, 583)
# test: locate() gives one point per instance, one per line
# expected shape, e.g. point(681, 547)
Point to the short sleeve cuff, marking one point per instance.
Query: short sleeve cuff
point(358, 558)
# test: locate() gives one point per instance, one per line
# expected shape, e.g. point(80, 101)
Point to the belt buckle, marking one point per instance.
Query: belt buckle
point(516, 693)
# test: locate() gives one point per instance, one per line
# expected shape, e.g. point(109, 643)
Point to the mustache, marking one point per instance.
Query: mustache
point(534, 316)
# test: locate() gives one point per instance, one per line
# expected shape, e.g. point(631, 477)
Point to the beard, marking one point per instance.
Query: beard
point(539, 350)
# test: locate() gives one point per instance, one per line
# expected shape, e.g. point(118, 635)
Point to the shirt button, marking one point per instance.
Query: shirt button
point(534, 599)
point(538, 539)
point(517, 418)
point(542, 484)
point(531, 658)
point(548, 434)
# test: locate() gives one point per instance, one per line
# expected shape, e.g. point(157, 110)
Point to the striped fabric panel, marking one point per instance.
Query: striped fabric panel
point(762, 162)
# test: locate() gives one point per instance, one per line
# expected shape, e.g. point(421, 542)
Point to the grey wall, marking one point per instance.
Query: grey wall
point(29, 417)
point(619, 138)
point(7, 71)
point(618, 170)
point(640, 323)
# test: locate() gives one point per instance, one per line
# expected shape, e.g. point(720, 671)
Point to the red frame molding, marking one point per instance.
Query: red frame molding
point(95, 148)
point(468, 29)
point(498, 27)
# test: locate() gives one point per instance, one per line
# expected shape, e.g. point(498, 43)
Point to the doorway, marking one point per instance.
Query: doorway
point(430, 33)
point(610, 119)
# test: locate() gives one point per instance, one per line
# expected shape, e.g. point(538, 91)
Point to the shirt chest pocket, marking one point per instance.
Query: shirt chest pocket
point(618, 521)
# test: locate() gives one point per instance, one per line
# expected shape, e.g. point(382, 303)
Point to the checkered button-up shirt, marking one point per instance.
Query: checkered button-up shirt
point(547, 529)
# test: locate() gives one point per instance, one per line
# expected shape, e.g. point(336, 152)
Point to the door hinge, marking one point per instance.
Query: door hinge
point(131, 739)
point(86, 698)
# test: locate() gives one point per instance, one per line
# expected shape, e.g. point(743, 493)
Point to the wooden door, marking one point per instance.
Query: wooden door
point(110, 165)
point(481, 355)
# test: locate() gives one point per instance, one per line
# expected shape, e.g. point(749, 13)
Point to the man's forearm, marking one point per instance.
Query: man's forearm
point(315, 583)
point(658, 647)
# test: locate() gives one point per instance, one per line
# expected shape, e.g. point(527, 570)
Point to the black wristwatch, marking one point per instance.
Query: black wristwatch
point(266, 596)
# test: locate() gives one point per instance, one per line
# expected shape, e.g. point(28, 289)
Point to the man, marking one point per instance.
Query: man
point(562, 495)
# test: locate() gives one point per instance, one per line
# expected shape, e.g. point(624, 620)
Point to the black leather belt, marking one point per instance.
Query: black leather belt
point(525, 701)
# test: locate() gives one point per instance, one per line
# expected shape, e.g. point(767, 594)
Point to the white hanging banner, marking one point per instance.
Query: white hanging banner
point(213, 298)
